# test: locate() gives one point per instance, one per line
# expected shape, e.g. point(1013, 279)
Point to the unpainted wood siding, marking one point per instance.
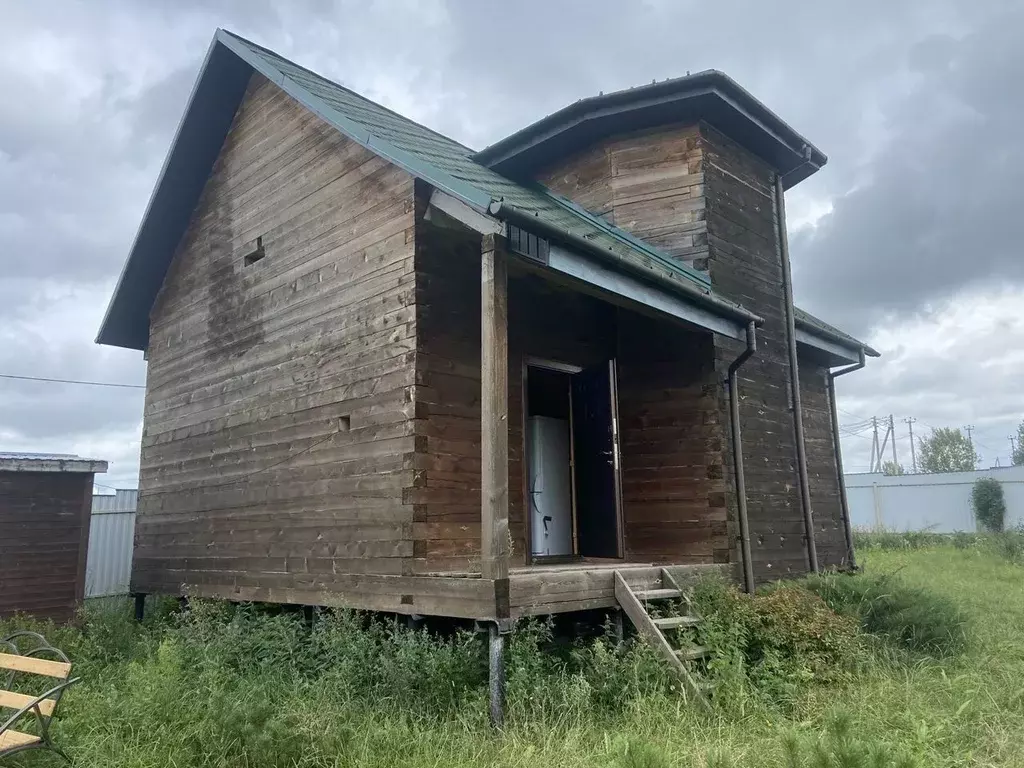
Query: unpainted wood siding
point(278, 441)
point(649, 183)
point(829, 532)
point(674, 487)
point(673, 490)
point(705, 200)
point(44, 537)
point(745, 265)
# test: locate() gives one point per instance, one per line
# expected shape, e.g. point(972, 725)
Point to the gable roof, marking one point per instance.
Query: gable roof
point(710, 95)
point(440, 161)
point(426, 154)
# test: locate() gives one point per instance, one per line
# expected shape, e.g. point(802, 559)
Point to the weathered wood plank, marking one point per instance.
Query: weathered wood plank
point(494, 541)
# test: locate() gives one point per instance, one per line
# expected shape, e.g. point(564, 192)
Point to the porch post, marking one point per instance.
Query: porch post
point(494, 409)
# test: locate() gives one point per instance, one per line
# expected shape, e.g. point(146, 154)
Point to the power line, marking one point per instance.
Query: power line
point(72, 381)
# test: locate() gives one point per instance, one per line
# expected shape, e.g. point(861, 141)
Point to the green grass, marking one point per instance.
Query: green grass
point(247, 689)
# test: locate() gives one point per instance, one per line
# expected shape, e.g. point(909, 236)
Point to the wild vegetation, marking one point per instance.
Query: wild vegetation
point(917, 661)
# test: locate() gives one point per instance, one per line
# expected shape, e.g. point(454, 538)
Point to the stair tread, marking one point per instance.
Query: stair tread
point(657, 594)
point(671, 622)
point(694, 652)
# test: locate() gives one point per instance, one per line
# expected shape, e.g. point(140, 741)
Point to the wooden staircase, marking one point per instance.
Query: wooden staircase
point(635, 603)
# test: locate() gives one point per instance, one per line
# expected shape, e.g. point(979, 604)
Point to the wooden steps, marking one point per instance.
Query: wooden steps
point(674, 622)
point(658, 594)
point(635, 605)
point(694, 653)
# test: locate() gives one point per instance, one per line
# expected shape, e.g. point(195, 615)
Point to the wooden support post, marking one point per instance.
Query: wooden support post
point(494, 409)
point(496, 676)
point(618, 627)
point(140, 606)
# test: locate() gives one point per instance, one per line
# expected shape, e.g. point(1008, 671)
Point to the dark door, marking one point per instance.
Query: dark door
point(596, 461)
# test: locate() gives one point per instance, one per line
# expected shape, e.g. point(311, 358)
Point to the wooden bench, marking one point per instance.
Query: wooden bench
point(23, 654)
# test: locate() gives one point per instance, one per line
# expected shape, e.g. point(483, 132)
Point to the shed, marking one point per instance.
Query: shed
point(389, 372)
point(45, 507)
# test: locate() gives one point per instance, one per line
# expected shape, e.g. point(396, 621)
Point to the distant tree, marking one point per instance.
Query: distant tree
point(1018, 451)
point(989, 504)
point(947, 450)
point(892, 468)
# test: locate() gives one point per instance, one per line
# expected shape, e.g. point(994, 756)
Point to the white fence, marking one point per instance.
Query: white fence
point(939, 502)
point(111, 537)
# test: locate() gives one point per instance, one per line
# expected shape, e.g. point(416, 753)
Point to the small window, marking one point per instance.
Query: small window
point(256, 254)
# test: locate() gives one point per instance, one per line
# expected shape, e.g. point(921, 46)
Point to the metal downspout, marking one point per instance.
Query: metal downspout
point(794, 375)
point(737, 456)
point(843, 503)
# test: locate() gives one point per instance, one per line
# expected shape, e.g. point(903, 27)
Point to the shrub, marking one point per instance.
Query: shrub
point(1009, 545)
point(989, 504)
point(774, 644)
point(910, 618)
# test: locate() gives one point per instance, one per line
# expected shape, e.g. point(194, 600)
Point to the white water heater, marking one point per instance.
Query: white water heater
point(550, 490)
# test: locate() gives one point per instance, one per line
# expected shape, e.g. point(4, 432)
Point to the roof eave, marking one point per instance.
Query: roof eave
point(211, 106)
point(804, 159)
point(846, 342)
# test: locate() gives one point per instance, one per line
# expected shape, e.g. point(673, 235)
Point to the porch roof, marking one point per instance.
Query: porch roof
point(442, 162)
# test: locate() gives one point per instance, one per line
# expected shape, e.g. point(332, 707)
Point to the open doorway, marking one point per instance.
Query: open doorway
point(573, 465)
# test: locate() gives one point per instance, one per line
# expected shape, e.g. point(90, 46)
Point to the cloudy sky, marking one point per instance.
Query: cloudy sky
point(908, 237)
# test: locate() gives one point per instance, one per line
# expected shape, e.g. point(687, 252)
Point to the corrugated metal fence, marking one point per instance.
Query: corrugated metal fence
point(111, 538)
point(939, 502)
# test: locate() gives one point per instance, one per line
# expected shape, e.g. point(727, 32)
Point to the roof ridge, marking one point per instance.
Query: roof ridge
point(469, 150)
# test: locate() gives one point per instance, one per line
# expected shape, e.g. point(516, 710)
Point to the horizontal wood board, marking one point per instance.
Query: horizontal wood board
point(278, 443)
point(44, 532)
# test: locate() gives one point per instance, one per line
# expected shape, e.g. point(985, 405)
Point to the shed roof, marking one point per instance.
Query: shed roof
point(49, 462)
point(442, 162)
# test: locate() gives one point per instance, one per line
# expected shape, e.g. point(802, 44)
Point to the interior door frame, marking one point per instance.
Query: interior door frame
point(530, 361)
point(620, 523)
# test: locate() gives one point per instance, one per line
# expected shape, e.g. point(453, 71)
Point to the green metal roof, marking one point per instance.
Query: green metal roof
point(447, 164)
point(809, 322)
point(440, 161)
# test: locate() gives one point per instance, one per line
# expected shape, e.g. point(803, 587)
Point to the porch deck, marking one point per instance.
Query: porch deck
point(537, 590)
point(542, 589)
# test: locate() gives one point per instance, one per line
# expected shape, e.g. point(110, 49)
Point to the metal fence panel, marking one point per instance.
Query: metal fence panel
point(928, 502)
point(111, 539)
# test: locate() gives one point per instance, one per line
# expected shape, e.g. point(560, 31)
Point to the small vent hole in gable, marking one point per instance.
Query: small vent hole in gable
point(344, 423)
point(256, 254)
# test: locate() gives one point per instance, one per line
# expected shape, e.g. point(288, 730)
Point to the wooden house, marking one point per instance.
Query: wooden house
point(389, 372)
point(45, 508)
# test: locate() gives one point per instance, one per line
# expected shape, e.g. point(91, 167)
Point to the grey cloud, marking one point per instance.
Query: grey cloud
point(907, 99)
point(939, 206)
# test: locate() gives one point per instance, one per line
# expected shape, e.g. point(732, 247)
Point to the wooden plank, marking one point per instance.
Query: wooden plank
point(642, 621)
point(13, 700)
point(58, 669)
point(494, 543)
point(10, 739)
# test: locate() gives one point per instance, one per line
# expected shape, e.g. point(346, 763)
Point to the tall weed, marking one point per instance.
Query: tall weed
point(909, 617)
point(771, 646)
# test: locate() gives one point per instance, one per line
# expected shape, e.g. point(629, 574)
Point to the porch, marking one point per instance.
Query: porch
point(545, 589)
point(599, 426)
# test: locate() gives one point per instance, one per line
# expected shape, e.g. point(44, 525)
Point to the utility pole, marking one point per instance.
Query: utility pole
point(913, 451)
point(875, 453)
point(885, 442)
point(1013, 448)
point(892, 431)
point(970, 439)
